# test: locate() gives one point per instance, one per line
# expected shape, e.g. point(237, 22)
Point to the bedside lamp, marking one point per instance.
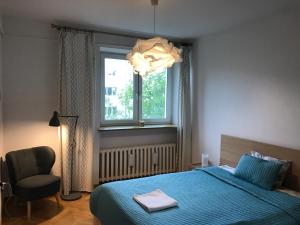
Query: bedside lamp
point(204, 160)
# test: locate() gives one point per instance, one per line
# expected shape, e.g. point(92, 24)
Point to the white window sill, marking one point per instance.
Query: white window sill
point(113, 128)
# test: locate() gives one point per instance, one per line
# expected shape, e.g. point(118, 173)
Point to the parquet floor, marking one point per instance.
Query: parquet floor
point(46, 212)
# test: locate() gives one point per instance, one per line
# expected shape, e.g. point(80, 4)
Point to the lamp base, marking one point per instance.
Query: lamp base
point(72, 196)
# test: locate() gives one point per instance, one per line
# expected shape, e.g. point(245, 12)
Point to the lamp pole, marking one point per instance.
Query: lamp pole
point(73, 195)
point(54, 121)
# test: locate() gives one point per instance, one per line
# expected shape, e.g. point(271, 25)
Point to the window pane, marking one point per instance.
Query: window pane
point(118, 89)
point(154, 95)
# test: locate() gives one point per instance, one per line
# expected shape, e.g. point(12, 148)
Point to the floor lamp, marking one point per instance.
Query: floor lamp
point(54, 122)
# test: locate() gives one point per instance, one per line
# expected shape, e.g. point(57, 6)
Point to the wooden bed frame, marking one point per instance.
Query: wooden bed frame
point(232, 148)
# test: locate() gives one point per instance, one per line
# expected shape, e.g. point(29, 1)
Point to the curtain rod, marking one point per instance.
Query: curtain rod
point(59, 27)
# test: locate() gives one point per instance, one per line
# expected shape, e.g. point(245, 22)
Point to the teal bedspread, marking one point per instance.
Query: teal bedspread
point(205, 196)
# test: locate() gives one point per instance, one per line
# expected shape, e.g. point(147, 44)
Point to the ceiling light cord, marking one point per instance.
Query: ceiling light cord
point(154, 19)
point(155, 54)
point(154, 3)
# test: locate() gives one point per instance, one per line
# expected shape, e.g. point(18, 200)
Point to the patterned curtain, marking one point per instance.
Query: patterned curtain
point(184, 123)
point(76, 98)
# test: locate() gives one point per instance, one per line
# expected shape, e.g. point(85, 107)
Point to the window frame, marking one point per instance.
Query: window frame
point(120, 53)
point(166, 120)
point(103, 121)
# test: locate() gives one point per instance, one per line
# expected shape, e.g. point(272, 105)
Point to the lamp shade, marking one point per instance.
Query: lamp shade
point(54, 121)
point(154, 54)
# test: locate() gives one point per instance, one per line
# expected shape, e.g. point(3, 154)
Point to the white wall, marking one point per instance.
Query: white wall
point(249, 83)
point(30, 84)
point(111, 139)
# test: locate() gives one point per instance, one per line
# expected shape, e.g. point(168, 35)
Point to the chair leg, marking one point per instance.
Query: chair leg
point(28, 210)
point(15, 200)
point(96, 221)
point(57, 199)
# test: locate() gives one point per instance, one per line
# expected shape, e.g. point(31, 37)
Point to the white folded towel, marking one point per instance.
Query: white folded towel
point(155, 200)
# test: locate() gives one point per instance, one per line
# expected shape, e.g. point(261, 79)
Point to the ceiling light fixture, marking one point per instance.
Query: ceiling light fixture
point(154, 54)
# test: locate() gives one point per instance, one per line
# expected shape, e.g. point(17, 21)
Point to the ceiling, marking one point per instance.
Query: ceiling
point(176, 18)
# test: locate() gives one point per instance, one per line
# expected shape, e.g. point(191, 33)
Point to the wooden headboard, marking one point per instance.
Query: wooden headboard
point(232, 148)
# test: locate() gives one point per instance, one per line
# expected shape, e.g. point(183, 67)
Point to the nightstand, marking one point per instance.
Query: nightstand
point(196, 165)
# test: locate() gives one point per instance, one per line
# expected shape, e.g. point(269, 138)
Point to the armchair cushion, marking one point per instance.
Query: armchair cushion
point(38, 186)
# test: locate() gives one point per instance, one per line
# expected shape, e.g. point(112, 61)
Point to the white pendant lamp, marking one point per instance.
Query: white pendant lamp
point(154, 54)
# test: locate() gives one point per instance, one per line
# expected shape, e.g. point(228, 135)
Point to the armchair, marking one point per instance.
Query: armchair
point(29, 173)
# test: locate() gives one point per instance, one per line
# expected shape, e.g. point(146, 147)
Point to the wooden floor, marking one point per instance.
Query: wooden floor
point(46, 212)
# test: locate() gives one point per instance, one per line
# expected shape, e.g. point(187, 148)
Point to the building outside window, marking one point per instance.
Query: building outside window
point(110, 90)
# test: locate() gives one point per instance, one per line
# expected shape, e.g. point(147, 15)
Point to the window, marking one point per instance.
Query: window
point(126, 98)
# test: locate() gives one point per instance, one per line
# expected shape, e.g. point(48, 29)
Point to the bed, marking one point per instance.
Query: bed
point(205, 196)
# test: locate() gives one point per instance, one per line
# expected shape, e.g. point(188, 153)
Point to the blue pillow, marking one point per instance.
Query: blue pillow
point(257, 171)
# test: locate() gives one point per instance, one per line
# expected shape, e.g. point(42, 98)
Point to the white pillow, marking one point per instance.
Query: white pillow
point(228, 168)
point(290, 192)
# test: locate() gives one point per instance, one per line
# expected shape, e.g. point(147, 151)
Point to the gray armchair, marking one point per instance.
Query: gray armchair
point(29, 174)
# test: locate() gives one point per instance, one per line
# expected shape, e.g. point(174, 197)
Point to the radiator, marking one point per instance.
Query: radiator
point(136, 161)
